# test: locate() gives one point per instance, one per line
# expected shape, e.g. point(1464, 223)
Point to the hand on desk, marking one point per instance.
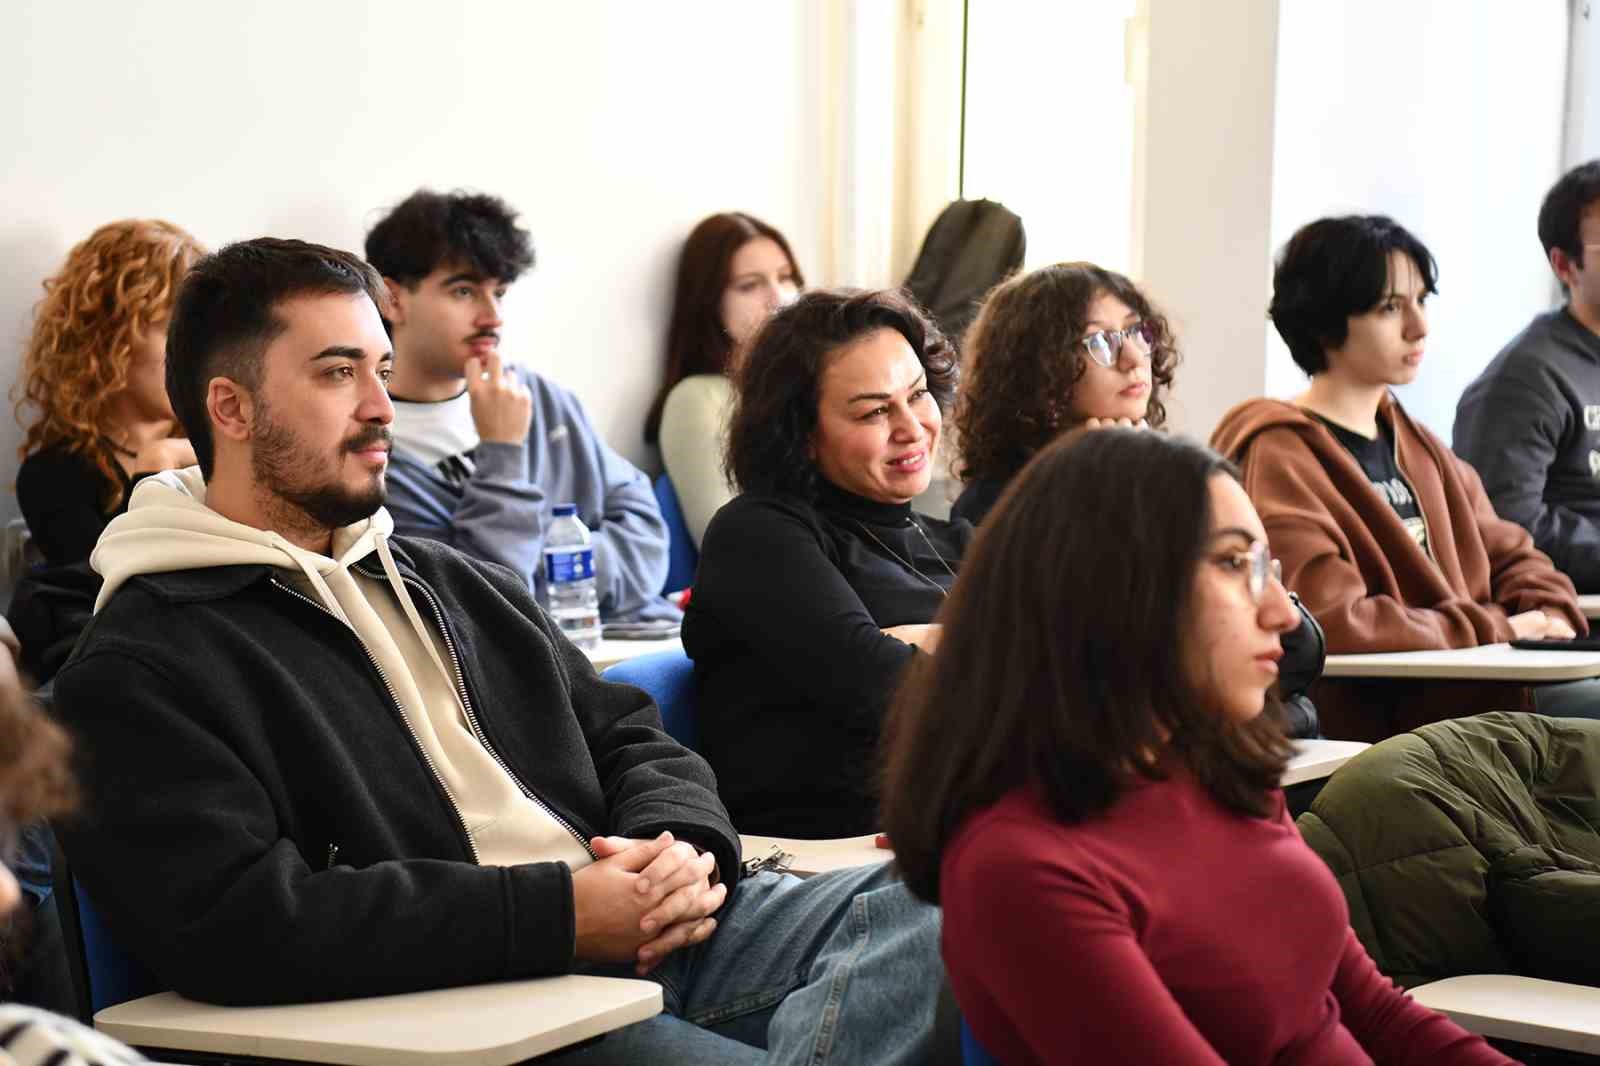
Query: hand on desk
point(925, 637)
point(643, 900)
point(1537, 625)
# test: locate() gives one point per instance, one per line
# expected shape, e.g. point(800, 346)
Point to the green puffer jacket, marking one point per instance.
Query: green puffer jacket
point(1471, 846)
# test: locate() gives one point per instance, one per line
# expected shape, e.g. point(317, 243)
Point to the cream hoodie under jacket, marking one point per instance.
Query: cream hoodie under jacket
point(168, 527)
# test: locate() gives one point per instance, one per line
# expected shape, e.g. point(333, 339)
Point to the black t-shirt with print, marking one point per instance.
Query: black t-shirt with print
point(1376, 457)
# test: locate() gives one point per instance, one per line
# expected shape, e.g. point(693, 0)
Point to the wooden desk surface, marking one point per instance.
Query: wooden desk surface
point(1526, 1009)
point(1590, 605)
point(1315, 759)
point(478, 1025)
point(1491, 662)
point(612, 652)
point(819, 856)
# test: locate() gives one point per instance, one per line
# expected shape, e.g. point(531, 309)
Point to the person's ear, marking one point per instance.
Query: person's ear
point(398, 294)
point(1563, 266)
point(231, 408)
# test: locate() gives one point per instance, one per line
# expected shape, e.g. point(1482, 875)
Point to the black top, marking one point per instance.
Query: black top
point(1530, 426)
point(61, 494)
point(237, 739)
point(978, 499)
point(793, 672)
point(1376, 456)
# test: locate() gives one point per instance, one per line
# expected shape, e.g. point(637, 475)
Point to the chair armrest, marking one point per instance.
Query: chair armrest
point(489, 1024)
point(1525, 1009)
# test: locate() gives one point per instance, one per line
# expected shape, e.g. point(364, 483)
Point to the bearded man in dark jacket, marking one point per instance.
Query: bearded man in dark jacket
point(323, 762)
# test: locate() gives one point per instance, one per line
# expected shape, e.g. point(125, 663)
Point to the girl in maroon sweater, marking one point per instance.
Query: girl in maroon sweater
point(1086, 778)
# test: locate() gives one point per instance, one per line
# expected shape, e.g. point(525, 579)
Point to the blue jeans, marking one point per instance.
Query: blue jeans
point(840, 968)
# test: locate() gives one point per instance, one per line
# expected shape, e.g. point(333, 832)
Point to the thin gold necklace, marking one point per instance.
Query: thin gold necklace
point(897, 557)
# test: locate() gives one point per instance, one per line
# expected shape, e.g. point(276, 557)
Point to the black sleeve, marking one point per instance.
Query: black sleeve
point(180, 846)
point(765, 576)
point(651, 782)
point(60, 495)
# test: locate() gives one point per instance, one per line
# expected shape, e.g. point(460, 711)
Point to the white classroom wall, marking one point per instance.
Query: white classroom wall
point(1447, 115)
point(613, 128)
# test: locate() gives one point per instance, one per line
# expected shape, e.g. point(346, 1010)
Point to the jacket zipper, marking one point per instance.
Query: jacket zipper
point(455, 808)
point(1426, 532)
point(460, 680)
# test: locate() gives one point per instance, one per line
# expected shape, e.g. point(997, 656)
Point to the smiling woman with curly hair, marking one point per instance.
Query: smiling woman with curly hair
point(94, 383)
point(1065, 345)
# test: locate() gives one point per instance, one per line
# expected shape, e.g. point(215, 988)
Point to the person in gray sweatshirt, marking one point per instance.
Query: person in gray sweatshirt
point(1530, 423)
point(484, 449)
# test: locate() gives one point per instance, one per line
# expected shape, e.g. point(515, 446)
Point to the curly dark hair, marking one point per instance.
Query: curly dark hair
point(428, 229)
point(1022, 360)
point(1031, 689)
point(776, 388)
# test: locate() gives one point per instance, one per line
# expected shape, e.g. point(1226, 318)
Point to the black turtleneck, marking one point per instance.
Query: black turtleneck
point(793, 670)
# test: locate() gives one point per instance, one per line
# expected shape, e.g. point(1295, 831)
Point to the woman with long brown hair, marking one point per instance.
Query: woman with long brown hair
point(734, 271)
point(1086, 778)
point(94, 383)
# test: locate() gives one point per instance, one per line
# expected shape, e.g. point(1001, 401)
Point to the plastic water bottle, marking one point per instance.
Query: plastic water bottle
point(569, 578)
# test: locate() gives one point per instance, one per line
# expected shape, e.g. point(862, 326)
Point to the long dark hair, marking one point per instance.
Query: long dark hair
point(1061, 661)
point(776, 387)
point(697, 343)
point(1021, 360)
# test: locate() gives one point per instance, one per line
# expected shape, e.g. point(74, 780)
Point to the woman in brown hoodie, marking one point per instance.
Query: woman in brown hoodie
point(1386, 535)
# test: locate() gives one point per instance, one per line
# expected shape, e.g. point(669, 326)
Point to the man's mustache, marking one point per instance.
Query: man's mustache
point(370, 436)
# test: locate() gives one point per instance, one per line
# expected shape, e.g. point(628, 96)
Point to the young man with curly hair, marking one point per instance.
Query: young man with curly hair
point(484, 448)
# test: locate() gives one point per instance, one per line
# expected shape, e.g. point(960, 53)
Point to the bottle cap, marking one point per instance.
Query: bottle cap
point(564, 510)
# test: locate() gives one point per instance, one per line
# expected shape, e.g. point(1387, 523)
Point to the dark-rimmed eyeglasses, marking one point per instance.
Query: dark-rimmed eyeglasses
point(1104, 346)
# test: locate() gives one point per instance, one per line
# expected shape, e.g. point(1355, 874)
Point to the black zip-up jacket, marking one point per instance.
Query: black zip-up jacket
point(260, 825)
point(1530, 424)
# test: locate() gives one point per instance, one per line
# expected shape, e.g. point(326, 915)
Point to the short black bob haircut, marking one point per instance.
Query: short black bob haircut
point(1573, 193)
point(226, 315)
point(776, 388)
point(1331, 270)
point(428, 230)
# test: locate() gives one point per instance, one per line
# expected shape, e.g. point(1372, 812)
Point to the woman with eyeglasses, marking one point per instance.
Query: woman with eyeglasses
point(1092, 795)
point(818, 583)
point(1066, 345)
point(1075, 345)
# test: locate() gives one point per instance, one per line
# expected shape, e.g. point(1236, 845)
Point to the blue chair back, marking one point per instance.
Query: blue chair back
point(972, 1052)
point(113, 975)
point(103, 974)
point(669, 678)
point(682, 555)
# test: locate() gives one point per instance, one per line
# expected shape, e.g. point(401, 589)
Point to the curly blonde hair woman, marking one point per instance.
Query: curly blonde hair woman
point(94, 382)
